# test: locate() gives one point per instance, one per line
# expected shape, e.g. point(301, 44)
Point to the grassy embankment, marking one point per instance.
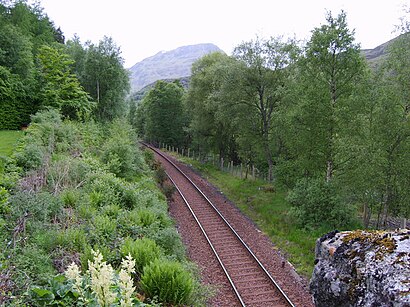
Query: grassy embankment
point(8, 139)
point(268, 208)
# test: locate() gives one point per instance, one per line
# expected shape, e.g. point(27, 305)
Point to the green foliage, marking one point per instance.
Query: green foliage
point(103, 76)
point(31, 157)
point(170, 241)
point(41, 207)
point(4, 201)
point(326, 112)
point(68, 201)
point(315, 203)
point(34, 266)
point(58, 293)
point(60, 88)
point(164, 118)
point(168, 281)
point(143, 251)
point(104, 228)
point(23, 29)
point(120, 152)
point(210, 127)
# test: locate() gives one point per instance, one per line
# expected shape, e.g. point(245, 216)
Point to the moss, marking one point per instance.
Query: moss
point(381, 241)
point(400, 256)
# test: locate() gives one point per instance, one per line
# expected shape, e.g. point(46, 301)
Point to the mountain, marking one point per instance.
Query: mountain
point(172, 64)
point(376, 55)
point(138, 95)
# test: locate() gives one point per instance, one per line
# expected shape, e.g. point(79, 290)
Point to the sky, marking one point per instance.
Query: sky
point(142, 28)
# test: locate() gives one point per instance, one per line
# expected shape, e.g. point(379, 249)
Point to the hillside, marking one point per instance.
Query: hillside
point(172, 64)
point(138, 95)
point(376, 55)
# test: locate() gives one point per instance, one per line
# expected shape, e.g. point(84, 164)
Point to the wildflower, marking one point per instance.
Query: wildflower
point(73, 273)
point(102, 279)
point(125, 281)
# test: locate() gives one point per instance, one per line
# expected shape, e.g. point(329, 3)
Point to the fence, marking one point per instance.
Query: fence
point(244, 171)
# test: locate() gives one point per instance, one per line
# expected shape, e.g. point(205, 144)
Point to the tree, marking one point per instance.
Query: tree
point(23, 28)
point(60, 88)
point(328, 82)
point(391, 130)
point(260, 87)
point(105, 79)
point(211, 125)
point(164, 117)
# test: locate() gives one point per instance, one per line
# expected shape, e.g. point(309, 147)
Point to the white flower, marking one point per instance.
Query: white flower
point(102, 278)
point(125, 281)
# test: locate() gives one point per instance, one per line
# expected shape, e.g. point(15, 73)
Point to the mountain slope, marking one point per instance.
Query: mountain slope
point(376, 55)
point(172, 64)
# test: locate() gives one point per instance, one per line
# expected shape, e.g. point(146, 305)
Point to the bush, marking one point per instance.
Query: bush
point(31, 157)
point(315, 203)
point(70, 198)
point(41, 207)
point(33, 265)
point(104, 228)
point(66, 173)
point(120, 152)
point(168, 281)
point(170, 241)
point(143, 251)
point(4, 201)
point(73, 239)
point(106, 189)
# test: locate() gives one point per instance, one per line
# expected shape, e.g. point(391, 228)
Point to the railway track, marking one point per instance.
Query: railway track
point(250, 281)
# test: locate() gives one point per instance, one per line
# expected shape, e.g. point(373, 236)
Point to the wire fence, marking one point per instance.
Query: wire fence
point(243, 171)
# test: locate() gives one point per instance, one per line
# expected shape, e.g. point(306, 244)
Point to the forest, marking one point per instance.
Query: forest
point(315, 118)
point(83, 216)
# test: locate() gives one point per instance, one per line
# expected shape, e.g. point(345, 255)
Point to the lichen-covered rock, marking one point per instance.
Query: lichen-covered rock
point(362, 268)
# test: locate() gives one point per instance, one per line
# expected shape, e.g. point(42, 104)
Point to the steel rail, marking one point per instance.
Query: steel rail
point(209, 242)
point(283, 294)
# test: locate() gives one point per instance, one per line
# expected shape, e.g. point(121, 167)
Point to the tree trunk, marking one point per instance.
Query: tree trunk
point(329, 170)
point(367, 213)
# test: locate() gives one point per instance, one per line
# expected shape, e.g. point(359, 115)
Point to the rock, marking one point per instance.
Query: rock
point(362, 268)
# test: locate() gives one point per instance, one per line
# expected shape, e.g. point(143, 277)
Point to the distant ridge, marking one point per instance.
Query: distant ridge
point(376, 55)
point(173, 64)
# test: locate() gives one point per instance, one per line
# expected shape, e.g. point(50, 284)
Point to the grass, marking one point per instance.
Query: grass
point(268, 208)
point(8, 139)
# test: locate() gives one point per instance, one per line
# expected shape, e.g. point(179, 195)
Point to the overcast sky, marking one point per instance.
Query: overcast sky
point(144, 27)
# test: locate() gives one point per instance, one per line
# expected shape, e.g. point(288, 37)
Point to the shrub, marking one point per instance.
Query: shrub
point(74, 239)
point(31, 157)
point(143, 251)
point(106, 189)
point(41, 207)
point(168, 281)
point(104, 227)
point(70, 197)
point(120, 152)
point(170, 241)
point(145, 217)
point(33, 265)
point(315, 203)
point(66, 173)
point(4, 201)
point(111, 211)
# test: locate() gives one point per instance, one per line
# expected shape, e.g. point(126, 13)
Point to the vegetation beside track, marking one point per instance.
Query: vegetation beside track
point(268, 207)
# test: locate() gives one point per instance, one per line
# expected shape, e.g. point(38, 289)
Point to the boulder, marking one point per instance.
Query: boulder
point(362, 268)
